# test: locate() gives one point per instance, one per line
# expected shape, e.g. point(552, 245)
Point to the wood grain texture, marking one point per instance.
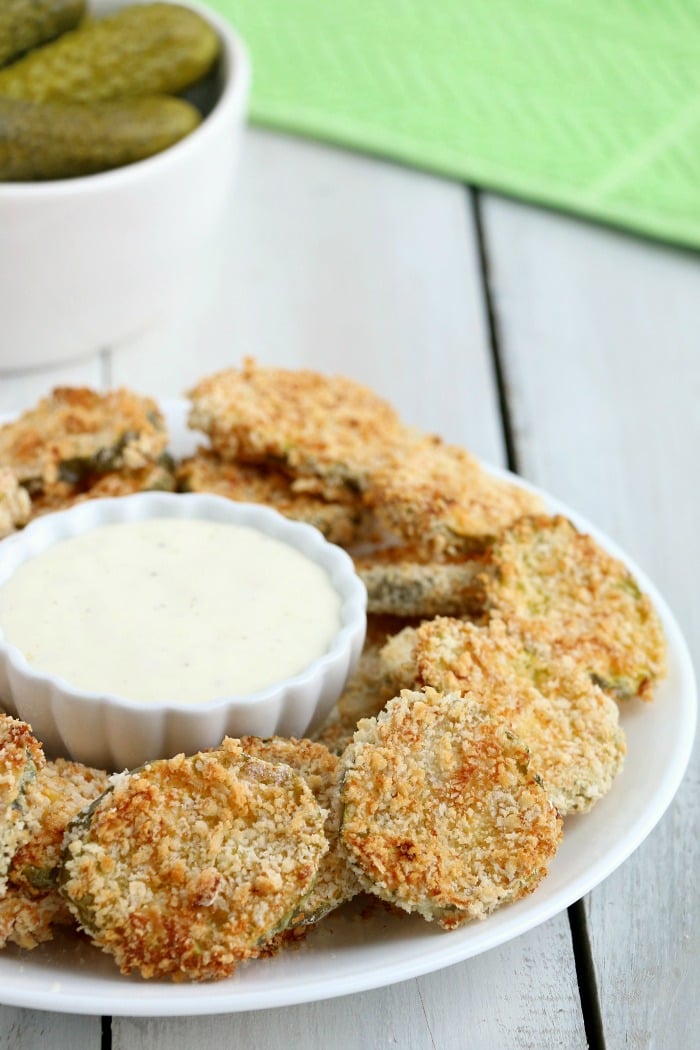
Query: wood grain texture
point(501, 988)
point(39, 1030)
point(599, 334)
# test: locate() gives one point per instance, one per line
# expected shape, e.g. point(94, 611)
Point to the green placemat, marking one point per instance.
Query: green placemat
point(587, 105)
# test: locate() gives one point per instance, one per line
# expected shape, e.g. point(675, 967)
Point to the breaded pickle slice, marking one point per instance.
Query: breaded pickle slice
point(143, 49)
point(401, 581)
point(61, 140)
point(57, 794)
point(442, 815)
point(330, 433)
point(556, 586)
point(244, 482)
point(21, 758)
point(438, 497)
point(25, 24)
point(60, 495)
point(569, 725)
point(15, 504)
point(76, 432)
point(336, 882)
point(28, 921)
point(186, 867)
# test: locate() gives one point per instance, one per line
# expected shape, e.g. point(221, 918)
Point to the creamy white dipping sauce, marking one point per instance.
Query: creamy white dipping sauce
point(170, 609)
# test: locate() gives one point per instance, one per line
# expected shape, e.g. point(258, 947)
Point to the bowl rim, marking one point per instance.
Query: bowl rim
point(236, 68)
point(143, 506)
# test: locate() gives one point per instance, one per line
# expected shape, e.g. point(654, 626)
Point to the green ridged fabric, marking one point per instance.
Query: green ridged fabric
point(587, 105)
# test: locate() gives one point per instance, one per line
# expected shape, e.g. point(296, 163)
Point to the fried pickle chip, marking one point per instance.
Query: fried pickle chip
point(401, 582)
point(569, 725)
point(336, 881)
point(77, 431)
point(15, 504)
point(442, 815)
point(186, 867)
point(250, 483)
point(438, 497)
point(557, 587)
point(330, 433)
point(158, 477)
point(55, 796)
point(21, 758)
point(28, 921)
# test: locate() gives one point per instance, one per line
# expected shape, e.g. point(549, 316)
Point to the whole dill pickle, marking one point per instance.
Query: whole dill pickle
point(146, 49)
point(58, 140)
point(25, 24)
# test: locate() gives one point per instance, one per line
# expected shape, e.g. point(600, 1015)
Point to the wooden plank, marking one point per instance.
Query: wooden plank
point(599, 336)
point(386, 1017)
point(487, 1002)
point(37, 1030)
point(342, 264)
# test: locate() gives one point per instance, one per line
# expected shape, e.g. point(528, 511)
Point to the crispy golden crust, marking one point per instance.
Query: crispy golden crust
point(59, 791)
point(329, 432)
point(437, 496)
point(158, 477)
point(400, 581)
point(569, 725)
point(15, 504)
point(21, 758)
point(188, 866)
point(336, 882)
point(441, 814)
point(29, 921)
point(248, 483)
point(367, 691)
point(77, 430)
point(557, 587)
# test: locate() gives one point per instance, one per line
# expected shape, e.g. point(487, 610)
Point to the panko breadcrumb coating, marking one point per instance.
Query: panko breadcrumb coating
point(21, 758)
point(186, 867)
point(15, 504)
point(28, 921)
point(59, 791)
point(248, 483)
point(336, 882)
point(569, 725)
point(557, 587)
point(438, 497)
point(400, 581)
point(442, 815)
point(330, 433)
point(76, 431)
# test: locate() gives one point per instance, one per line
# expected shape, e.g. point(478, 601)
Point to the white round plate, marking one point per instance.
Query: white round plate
point(352, 951)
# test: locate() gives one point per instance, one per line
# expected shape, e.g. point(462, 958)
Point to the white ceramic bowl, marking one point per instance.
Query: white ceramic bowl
point(91, 262)
point(115, 732)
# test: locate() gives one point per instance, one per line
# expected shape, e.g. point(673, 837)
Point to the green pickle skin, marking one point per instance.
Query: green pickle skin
point(149, 49)
point(24, 24)
point(55, 140)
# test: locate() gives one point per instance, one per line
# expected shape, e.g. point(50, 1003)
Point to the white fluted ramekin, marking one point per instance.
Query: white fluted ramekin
point(114, 732)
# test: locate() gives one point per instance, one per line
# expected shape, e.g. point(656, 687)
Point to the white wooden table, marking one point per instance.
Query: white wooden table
point(569, 352)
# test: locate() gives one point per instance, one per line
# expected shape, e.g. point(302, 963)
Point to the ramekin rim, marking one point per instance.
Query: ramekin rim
point(347, 583)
